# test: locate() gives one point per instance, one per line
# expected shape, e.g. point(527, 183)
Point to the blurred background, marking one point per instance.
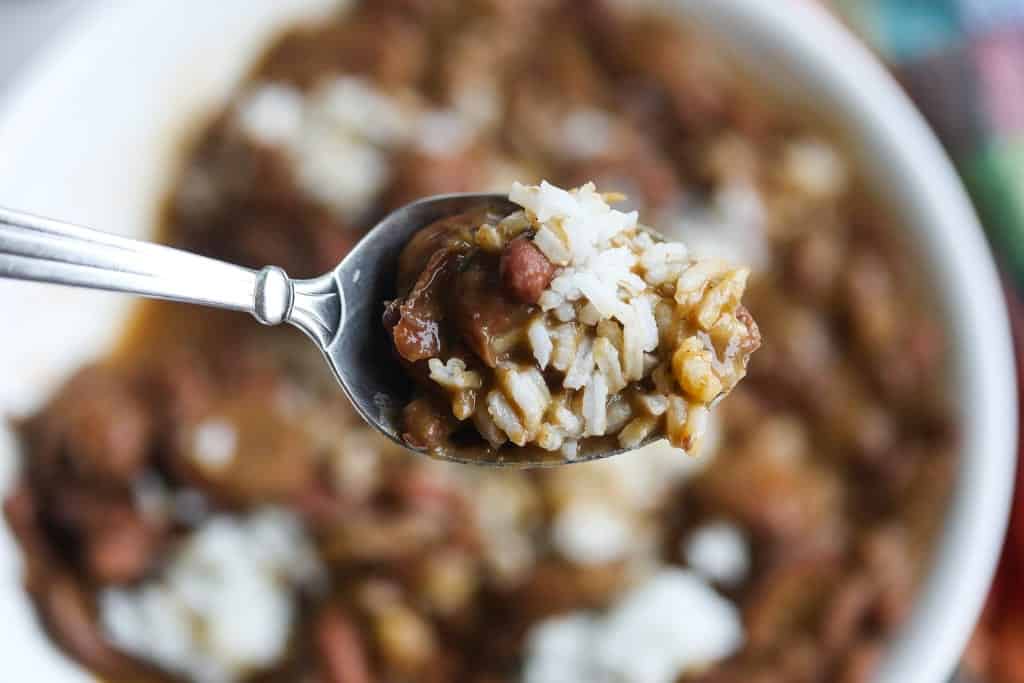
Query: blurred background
point(962, 61)
point(26, 26)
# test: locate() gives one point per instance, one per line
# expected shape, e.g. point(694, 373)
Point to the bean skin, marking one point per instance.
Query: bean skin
point(525, 271)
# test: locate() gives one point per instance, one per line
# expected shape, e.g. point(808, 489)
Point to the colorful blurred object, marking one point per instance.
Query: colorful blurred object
point(962, 61)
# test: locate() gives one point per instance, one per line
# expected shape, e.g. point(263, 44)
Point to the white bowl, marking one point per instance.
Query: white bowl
point(92, 133)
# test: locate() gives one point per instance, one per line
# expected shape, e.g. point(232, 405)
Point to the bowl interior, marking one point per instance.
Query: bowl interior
point(93, 132)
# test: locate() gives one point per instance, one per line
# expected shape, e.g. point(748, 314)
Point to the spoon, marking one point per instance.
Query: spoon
point(339, 311)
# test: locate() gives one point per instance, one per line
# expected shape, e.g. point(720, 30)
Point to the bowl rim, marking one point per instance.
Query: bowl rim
point(814, 44)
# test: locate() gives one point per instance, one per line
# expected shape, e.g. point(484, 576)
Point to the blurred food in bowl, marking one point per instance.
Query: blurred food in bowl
point(205, 505)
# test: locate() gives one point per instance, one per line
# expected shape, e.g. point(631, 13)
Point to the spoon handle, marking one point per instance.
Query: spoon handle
point(46, 250)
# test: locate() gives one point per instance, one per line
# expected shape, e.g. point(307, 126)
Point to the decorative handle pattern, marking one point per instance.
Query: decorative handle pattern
point(45, 250)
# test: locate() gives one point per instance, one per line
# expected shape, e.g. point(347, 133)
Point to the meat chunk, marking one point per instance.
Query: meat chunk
point(415, 321)
point(525, 270)
point(427, 424)
point(426, 269)
point(489, 321)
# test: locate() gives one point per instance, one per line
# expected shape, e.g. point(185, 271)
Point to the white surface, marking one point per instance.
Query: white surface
point(90, 134)
point(26, 26)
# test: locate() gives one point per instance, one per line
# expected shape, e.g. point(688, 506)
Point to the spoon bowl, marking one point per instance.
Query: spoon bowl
point(341, 312)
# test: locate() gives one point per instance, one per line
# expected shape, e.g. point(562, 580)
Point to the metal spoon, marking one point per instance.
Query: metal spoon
point(340, 311)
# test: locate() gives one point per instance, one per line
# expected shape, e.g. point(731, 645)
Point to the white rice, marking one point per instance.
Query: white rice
point(607, 358)
point(225, 603)
point(214, 443)
point(443, 133)
point(272, 115)
point(525, 386)
point(671, 625)
point(584, 134)
point(591, 533)
point(560, 650)
point(815, 168)
point(356, 106)
point(582, 366)
point(506, 418)
point(647, 639)
point(540, 342)
point(720, 552)
point(595, 406)
point(337, 139)
point(453, 374)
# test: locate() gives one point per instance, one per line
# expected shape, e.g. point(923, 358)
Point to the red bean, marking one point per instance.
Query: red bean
point(525, 271)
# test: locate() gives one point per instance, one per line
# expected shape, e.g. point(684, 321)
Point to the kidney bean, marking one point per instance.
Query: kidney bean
point(525, 270)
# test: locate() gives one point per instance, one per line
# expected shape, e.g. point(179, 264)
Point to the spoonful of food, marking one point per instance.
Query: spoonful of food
point(532, 329)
